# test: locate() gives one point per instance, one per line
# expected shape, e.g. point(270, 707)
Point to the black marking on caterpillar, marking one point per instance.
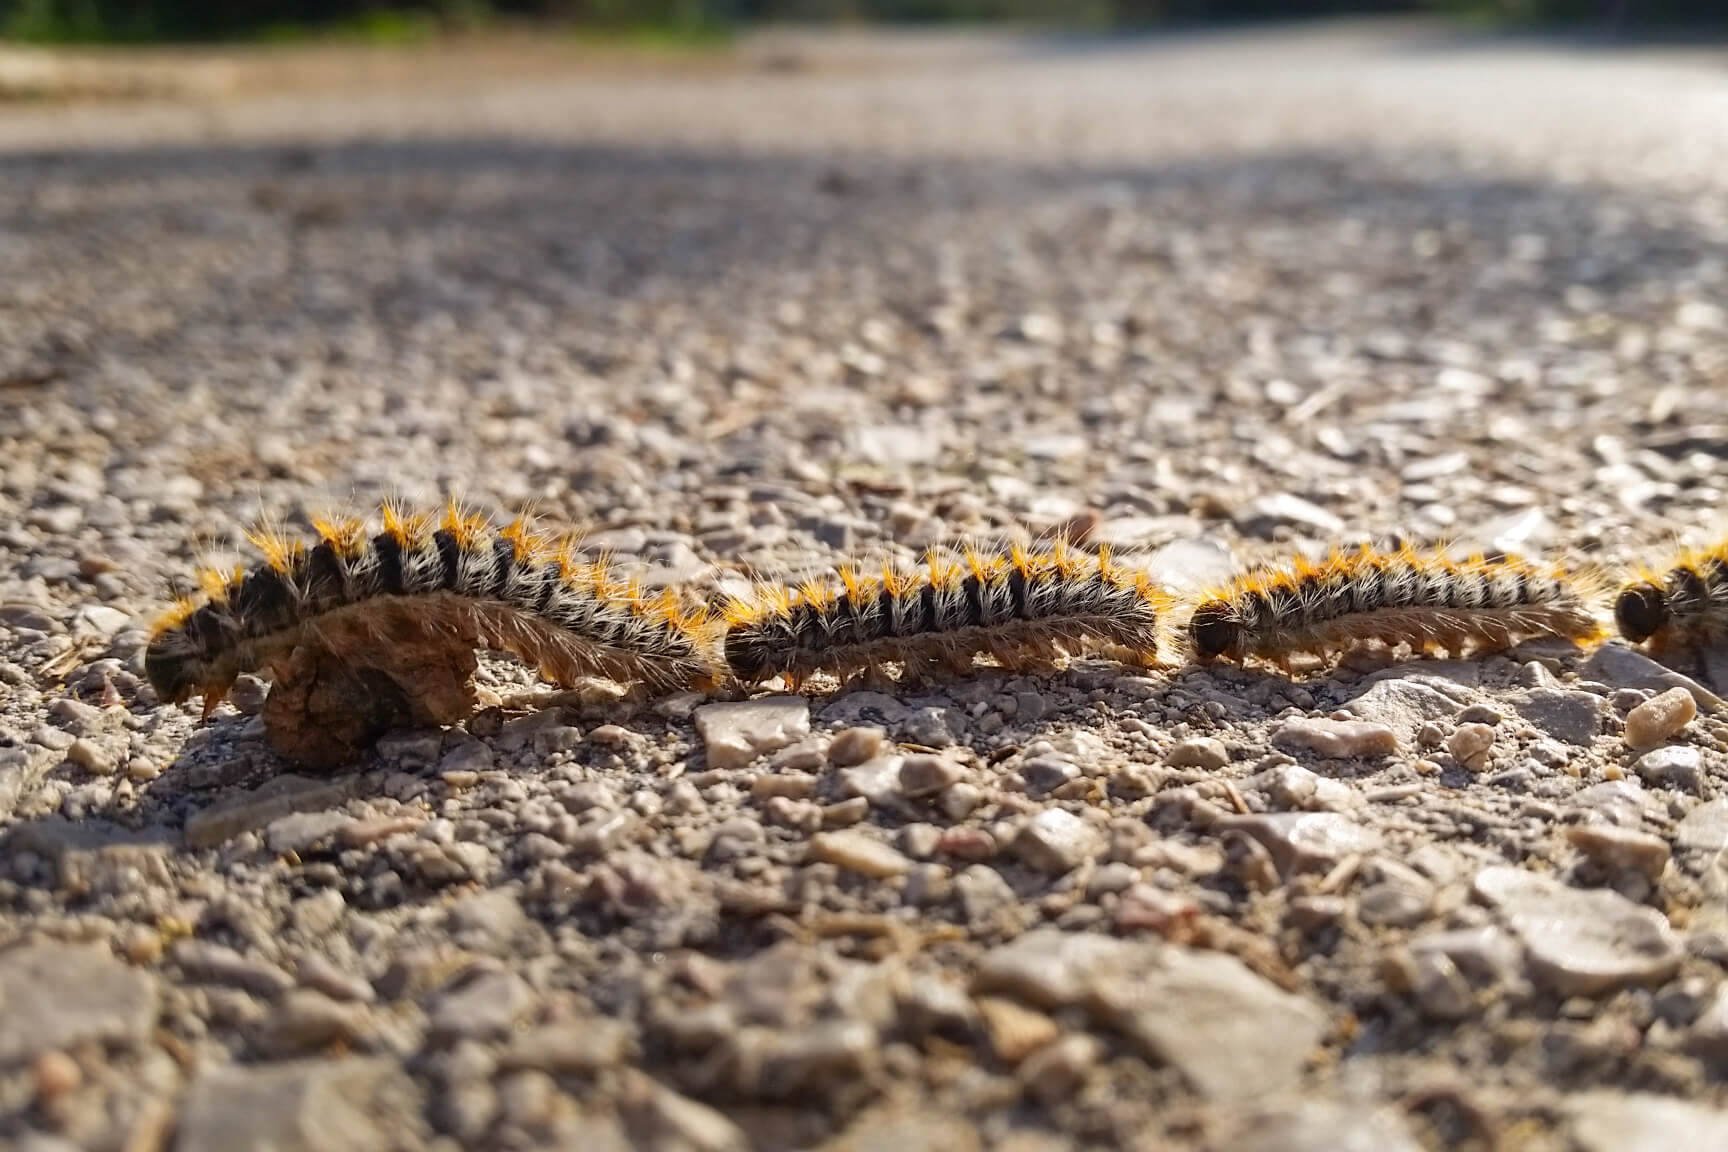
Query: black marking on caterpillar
point(1018, 607)
point(502, 588)
point(1425, 600)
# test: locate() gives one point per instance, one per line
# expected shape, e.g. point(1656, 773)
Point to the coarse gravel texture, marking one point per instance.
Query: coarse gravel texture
point(1206, 298)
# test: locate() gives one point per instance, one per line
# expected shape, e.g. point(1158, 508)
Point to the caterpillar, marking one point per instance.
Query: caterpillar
point(1689, 600)
point(1425, 600)
point(504, 588)
point(1016, 606)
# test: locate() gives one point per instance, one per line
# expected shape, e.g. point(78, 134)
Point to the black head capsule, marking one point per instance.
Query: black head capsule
point(1214, 629)
point(1640, 612)
point(750, 655)
point(172, 668)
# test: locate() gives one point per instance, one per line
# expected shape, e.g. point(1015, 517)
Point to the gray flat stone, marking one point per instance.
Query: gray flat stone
point(1292, 787)
point(302, 1106)
point(1203, 752)
point(926, 775)
point(302, 830)
point(1406, 703)
point(1679, 767)
point(488, 921)
point(1581, 942)
point(982, 892)
point(1486, 955)
point(482, 1006)
point(1571, 717)
point(1229, 1032)
point(204, 962)
point(1704, 829)
point(1622, 667)
point(59, 996)
point(1707, 1038)
point(876, 779)
point(262, 806)
point(1305, 841)
point(1053, 969)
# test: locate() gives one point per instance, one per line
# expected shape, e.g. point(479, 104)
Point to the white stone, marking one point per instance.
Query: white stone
point(735, 734)
point(1056, 841)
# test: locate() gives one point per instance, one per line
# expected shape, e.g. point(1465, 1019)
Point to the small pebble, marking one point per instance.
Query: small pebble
point(1015, 1031)
point(93, 757)
point(860, 853)
point(845, 813)
point(1337, 739)
point(1614, 849)
point(1056, 841)
point(854, 746)
point(1203, 752)
point(1658, 718)
point(1043, 774)
point(55, 1074)
point(1471, 745)
point(926, 775)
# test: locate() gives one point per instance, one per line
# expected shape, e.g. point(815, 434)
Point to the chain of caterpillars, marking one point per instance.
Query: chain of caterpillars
point(511, 589)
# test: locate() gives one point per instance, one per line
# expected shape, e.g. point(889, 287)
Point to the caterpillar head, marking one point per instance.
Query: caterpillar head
point(1214, 630)
point(1641, 611)
point(174, 669)
point(177, 661)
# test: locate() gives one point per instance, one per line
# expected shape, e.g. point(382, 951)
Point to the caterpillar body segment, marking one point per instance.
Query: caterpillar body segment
point(502, 588)
point(1017, 607)
point(1423, 599)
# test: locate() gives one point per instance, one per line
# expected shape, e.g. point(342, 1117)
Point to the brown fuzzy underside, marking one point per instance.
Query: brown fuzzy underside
point(1433, 629)
point(1015, 645)
point(355, 633)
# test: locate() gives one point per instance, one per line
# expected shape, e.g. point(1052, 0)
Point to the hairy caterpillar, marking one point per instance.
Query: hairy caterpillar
point(1425, 600)
point(1689, 601)
point(504, 588)
point(1015, 606)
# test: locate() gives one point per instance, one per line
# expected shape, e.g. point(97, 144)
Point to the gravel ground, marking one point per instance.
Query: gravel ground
point(1215, 297)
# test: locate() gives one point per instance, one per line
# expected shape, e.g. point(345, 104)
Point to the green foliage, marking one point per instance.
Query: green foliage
point(378, 26)
point(1626, 14)
point(688, 22)
point(122, 21)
